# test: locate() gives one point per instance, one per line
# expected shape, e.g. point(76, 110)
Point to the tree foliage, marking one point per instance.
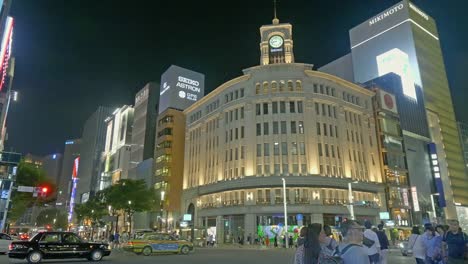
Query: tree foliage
point(46, 217)
point(29, 175)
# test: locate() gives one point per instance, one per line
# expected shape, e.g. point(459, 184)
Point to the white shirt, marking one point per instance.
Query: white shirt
point(374, 249)
point(416, 243)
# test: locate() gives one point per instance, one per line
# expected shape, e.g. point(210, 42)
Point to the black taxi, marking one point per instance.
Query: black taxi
point(57, 245)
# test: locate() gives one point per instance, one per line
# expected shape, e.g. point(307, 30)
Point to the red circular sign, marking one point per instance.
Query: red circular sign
point(388, 101)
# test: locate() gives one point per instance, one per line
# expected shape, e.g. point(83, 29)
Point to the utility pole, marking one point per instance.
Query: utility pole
point(286, 239)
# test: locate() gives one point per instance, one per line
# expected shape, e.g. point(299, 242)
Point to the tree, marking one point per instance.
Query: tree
point(129, 196)
point(29, 175)
point(93, 210)
point(52, 217)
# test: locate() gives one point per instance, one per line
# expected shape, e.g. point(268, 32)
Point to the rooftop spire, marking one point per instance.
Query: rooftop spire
point(275, 19)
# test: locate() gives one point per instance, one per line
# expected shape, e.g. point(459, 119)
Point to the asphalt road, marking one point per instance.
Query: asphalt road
point(209, 255)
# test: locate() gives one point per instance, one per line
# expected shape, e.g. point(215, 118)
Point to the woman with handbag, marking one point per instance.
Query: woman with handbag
point(416, 244)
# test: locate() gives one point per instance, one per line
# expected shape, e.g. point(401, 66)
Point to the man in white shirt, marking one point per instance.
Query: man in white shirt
point(371, 243)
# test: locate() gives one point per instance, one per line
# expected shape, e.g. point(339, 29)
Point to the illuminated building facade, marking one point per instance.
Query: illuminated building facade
point(116, 154)
point(72, 151)
point(280, 120)
point(403, 39)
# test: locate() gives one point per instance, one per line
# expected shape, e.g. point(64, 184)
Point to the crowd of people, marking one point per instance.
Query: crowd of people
point(368, 245)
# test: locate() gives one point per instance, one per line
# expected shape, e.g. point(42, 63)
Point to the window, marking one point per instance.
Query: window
point(327, 90)
point(298, 85)
point(226, 117)
point(338, 152)
point(283, 127)
point(281, 86)
point(301, 127)
point(303, 168)
point(274, 86)
point(266, 149)
point(51, 237)
point(275, 107)
point(300, 107)
point(242, 132)
point(317, 109)
point(242, 113)
point(259, 169)
point(259, 150)
point(293, 148)
point(290, 86)
point(237, 114)
point(301, 148)
point(295, 168)
point(285, 168)
point(292, 107)
point(265, 87)
point(237, 133)
point(257, 109)
point(282, 107)
point(267, 169)
point(276, 150)
point(236, 94)
point(336, 131)
point(326, 151)
point(266, 129)
point(318, 129)
point(259, 129)
point(332, 150)
point(275, 127)
point(321, 88)
point(277, 169)
point(70, 238)
point(334, 111)
point(331, 131)
point(324, 110)
point(242, 92)
point(293, 127)
point(242, 152)
point(320, 149)
point(284, 148)
point(329, 111)
point(230, 116)
point(237, 154)
point(230, 154)
point(333, 91)
point(315, 88)
point(265, 108)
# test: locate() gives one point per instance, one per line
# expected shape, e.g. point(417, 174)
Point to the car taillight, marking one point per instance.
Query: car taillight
point(11, 247)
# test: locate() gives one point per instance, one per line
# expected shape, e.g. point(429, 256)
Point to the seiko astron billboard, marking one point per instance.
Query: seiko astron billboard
point(180, 88)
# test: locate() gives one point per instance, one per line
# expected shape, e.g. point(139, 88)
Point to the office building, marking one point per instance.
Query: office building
point(280, 120)
point(92, 146)
point(52, 165)
point(72, 151)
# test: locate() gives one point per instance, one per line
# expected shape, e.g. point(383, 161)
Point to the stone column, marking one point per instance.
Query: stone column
point(250, 222)
point(316, 218)
point(220, 229)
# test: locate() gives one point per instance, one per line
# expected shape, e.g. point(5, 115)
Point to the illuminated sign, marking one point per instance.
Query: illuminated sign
point(397, 61)
point(385, 14)
point(404, 192)
point(69, 142)
point(180, 88)
point(5, 49)
point(414, 195)
point(384, 215)
point(436, 174)
point(187, 217)
point(141, 96)
point(76, 163)
point(388, 102)
point(417, 10)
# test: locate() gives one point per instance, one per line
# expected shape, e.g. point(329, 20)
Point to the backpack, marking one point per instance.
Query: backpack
point(336, 258)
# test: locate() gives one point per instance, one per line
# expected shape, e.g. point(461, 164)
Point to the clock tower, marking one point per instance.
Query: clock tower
point(276, 45)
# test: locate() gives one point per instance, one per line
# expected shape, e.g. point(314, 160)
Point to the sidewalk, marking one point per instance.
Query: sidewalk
point(251, 247)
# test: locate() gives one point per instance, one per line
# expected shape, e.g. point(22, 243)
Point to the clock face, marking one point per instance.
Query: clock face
point(276, 41)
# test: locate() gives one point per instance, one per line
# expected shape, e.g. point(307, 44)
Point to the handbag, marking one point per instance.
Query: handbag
point(367, 242)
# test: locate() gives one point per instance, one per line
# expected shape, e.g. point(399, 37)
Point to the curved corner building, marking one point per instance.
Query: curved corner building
point(280, 120)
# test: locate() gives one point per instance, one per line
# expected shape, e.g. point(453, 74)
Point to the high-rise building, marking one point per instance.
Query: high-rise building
point(403, 39)
point(144, 125)
point(52, 165)
point(116, 154)
point(463, 129)
point(72, 151)
point(281, 120)
point(92, 146)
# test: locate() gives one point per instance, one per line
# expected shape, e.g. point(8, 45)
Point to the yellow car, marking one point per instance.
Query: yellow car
point(151, 243)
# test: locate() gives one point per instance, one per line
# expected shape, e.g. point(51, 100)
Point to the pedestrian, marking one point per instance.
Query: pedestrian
point(328, 243)
point(284, 241)
point(267, 241)
point(111, 240)
point(371, 243)
point(276, 241)
point(433, 244)
point(299, 254)
point(383, 240)
point(312, 244)
point(351, 251)
point(290, 242)
point(440, 230)
point(416, 244)
point(117, 240)
point(456, 243)
point(249, 238)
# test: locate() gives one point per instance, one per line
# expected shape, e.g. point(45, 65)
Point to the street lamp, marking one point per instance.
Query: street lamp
point(350, 197)
point(285, 213)
point(433, 205)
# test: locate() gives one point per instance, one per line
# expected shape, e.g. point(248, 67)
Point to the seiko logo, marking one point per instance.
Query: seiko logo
point(385, 14)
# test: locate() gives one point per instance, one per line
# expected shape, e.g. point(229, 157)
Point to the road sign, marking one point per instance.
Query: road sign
point(25, 189)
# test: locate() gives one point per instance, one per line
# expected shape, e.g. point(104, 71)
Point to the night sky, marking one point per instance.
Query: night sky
point(72, 56)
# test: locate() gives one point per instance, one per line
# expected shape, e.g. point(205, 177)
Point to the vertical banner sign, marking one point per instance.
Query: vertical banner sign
point(436, 174)
point(76, 164)
point(414, 195)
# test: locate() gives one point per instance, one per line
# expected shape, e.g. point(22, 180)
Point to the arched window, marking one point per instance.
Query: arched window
point(265, 87)
point(257, 88)
point(299, 85)
point(290, 86)
point(282, 85)
point(274, 86)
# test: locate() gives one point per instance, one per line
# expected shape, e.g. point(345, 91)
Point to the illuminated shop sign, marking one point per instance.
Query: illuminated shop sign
point(76, 164)
point(417, 10)
point(385, 14)
point(141, 96)
point(436, 174)
point(414, 195)
point(5, 49)
point(180, 88)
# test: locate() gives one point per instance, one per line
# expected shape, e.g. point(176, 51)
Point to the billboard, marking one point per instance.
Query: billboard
point(76, 164)
point(180, 88)
point(5, 49)
point(388, 101)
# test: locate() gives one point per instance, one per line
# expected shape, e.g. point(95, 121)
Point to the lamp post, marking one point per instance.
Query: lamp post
point(129, 218)
point(433, 205)
point(350, 197)
point(285, 213)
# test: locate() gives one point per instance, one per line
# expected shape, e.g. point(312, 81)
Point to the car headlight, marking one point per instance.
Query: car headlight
point(401, 245)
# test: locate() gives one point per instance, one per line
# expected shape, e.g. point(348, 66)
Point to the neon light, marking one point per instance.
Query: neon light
point(388, 29)
point(4, 50)
point(73, 193)
point(397, 61)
